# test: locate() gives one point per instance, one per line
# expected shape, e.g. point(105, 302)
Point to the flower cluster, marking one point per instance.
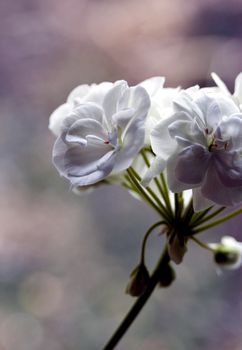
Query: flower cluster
point(156, 141)
point(195, 135)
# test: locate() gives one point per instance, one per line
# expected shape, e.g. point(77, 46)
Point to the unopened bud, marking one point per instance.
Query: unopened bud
point(227, 258)
point(228, 253)
point(139, 280)
point(167, 276)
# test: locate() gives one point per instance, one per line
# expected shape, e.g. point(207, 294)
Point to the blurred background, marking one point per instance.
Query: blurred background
point(65, 259)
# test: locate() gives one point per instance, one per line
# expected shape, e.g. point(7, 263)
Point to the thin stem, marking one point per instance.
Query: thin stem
point(219, 221)
point(162, 188)
point(189, 212)
point(201, 244)
point(198, 216)
point(166, 192)
point(178, 204)
point(206, 218)
point(139, 304)
point(157, 183)
point(136, 178)
point(143, 193)
point(150, 230)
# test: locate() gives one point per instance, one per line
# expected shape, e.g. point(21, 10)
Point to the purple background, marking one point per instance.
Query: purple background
point(64, 259)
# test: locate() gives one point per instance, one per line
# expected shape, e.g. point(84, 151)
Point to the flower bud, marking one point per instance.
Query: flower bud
point(226, 258)
point(167, 276)
point(228, 253)
point(139, 280)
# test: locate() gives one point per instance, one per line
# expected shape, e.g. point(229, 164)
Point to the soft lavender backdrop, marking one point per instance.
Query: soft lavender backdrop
point(65, 260)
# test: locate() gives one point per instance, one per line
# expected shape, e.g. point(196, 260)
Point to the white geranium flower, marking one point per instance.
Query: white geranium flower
point(201, 147)
point(237, 95)
point(161, 103)
point(101, 136)
point(227, 253)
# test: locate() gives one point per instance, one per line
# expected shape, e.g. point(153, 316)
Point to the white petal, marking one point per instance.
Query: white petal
point(133, 135)
point(238, 88)
point(161, 142)
point(57, 118)
point(156, 168)
point(192, 164)
point(152, 85)
point(111, 99)
point(122, 118)
point(88, 110)
point(76, 162)
point(98, 92)
point(78, 93)
point(231, 129)
point(213, 189)
point(173, 183)
point(83, 128)
point(219, 82)
point(199, 201)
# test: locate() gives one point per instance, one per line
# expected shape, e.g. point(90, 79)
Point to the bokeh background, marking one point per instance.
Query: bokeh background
point(64, 259)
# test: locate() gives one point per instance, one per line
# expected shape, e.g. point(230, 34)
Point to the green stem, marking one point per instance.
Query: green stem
point(159, 207)
point(157, 183)
point(139, 304)
point(143, 193)
point(201, 244)
point(166, 192)
point(200, 221)
point(219, 221)
point(150, 230)
point(198, 216)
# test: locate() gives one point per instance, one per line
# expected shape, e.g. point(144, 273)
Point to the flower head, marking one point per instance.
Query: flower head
point(201, 147)
point(100, 132)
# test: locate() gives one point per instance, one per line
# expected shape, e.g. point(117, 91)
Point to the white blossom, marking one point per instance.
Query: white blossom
point(201, 148)
point(101, 133)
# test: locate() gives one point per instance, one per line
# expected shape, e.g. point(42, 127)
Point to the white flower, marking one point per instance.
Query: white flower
point(227, 253)
point(161, 103)
point(237, 95)
point(201, 147)
point(100, 135)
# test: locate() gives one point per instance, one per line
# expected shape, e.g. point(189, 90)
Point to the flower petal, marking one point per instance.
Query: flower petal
point(88, 110)
point(157, 166)
point(231, 130)
point(161, 142)
point(213, 189)
point(134, 133)
point(76, 162)
point(78, 93)
point(229, 168)
point(219, 82)
point(199, 201)
point(111, 99)
point(192, 164)
point(57, 118)
point(83, 128)
point(173, 183)
point(238, 88)
point(153, 85)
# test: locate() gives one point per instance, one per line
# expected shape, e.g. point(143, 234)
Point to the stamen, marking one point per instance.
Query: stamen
point(106, 142)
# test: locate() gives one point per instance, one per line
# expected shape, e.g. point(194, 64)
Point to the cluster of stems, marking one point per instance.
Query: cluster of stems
point(174, 218)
